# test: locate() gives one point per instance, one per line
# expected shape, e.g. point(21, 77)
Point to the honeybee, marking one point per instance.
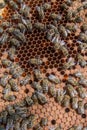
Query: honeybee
point(9, 98)
point(13, 5)
point(21, 27)
point(72, 81)
point(24, 124)
point(4, 114)
point(34, 98)
point(50, 34)
point(71, 90)
point(85, 6)
point(51, 26)
point(19, 1)
point(69, 15)
point(45, 84)
point(57, 17)
point(60, 95)
point(54, 79)
point(84, 27)
point(1, 30)
point(17, 126)
point(85, 128)
point(35, 61)
point(40, 26)
point(13, 84)
point(58, 127)
point(79, 8)
point(25, 10)
point(46, 6)
point(82, 37)
point(31, 120)
point(6, 62)
point(85, 106)
point(37, 86)
point(83, 46)
point(11, 53)
point(64, 6)
point(20, 104)
point(38, 74)
point(52, 91)
point(55, 39)
point(43, 122)
point(70, 63)
point(2, 5)
point(41, 98)
point(29, 101)
point(21, 111)
point(5, 24)
point(10, 109)
point(14, 42)
point(25, 80)
point(9, 124)
point(63, 31)
point(82, 92)
point(79, 127)
point(78, 74)
point(74, 102)
point(38, 127)
point(7, 89)
point(64, 50)
point(81, 107)
point(66, 101)
point(4, 38)
point(69, 2)
point(4, 80)
point(83, 82)
point(81, 60)
point(40, 11)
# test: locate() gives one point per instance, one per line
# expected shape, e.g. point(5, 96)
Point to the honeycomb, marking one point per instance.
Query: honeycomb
point(37, 45)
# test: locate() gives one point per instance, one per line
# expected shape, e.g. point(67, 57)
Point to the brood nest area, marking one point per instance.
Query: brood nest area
point(43, 65)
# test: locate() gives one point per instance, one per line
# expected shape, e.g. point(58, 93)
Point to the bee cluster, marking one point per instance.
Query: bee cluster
point(30, 32)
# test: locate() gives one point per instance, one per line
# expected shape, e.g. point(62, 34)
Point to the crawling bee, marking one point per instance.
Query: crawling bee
point(4, 38)
point(14, 42)
point(43, 122)
point(38, 127)
point(20, 104)
point(25, 80)
point(13, 5)
point(19, 1)
point(83, 46)
point(71, 90)
point(40, 26)
point(22, 112)
point(35, 61)
point(85, 6)
point(81, 107)
point(69, 2)
point(31, 119)
point(2, 5)
point(9, 124)
point(29, 101)
point(7, 89)
point(54, 79)
point(4, 118)
point(34, 98)
point(58, 127)
point(4, 80)
point(6, 62)
point(16, 16)
point(70, 63)
point(10, 109)
point(56, 40)
point(66, 101)
point(11, 53)
point(69, 15)
point(81, 60)
point(46, 6)
point(52, 91)
point(45, 84)
point(17, 126)
point(72, 81)
point(84, 27)
point(22, 27)
point(64, 50)
point(38, 74)
point(79, 8)
point(51, 26)
point(5, 24)
point(83, 82)
point(79, 127)
point(24, 10)
point(37, 86)
point(57, 17)
point(50, 34)
point(60, 95)
point(24, 124)
point(78, 74)
point(9, 98)
point(85, 106)
point(83, 37)
point(41, 98)
point(63, 31)
point(13, 84)
point(40, 12)
point(82, 92)
point(74, 103)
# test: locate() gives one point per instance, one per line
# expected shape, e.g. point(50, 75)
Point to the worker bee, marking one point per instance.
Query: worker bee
point(58, 127)
point(20, 104)
point(13, 5)
point(69, 2)
point(41, 98)
point(81, 60)
point(13, 84)
point(69, 15)
point(55, 39)
point(70, 63)
point(21, 27)
point(52, 91)
point(4, 80)
point(19, 1)
point(24, 124)
point(50, 34)
point(11, 53)
point(6, 62)
point(82, 37)
point(45, 84)
point(74, 102)
point(79, 127)
point(84, 27)
point(9, 98)
point(37, 86)
point(5, 24)
point(25, 80)
point(7, 89)
point(40, 12)
point(29, 101)
point(1, 30)
point(4, 38)
point(34, 98)
point(81, 107)
point(46, 6)
point(63, 31)
point(78, 74)
point(57, 17)
point(72, 81)
point(38, 74)
point(54, 79)
point(38, 127)
point(10, 109)
point(43, 122)
point(40, 26)
point(66, 101)
point(78, 19)
point(2, 5)
point(85, 6)
point(31, 120)
point(71, 90)
point(4, 118)
point(51, 26)
point(79, 8)
point(9, 124)
point(82, 92)
point(83, 82)
point(35, 61)
point(64, 50)
point(14, 42)
point(21, 111)
point(85, 106)
point(17, 126)
point(83, 46)
point(60, 95)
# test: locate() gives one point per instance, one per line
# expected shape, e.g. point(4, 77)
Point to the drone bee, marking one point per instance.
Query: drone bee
point(38, 74)
point(82, 92)
point(13, 84)
point(60, 95)
point(37, 86)
point(40, 12)
point(66, 101)
point(54, 79)
point(57, 17)
point(35, 61)
point(25, 80)
point(74, 102)
point(72, 81)
point(4, 38)
point(45, 84)
point(40, 26)
point(4, 80)
point(81, 107)
point(46, 6)
point(71, 90)
point(70, 63)
point(52, 91)
point(29, 101)
point(11, 53)
point(15, 42)
point(81, 60)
